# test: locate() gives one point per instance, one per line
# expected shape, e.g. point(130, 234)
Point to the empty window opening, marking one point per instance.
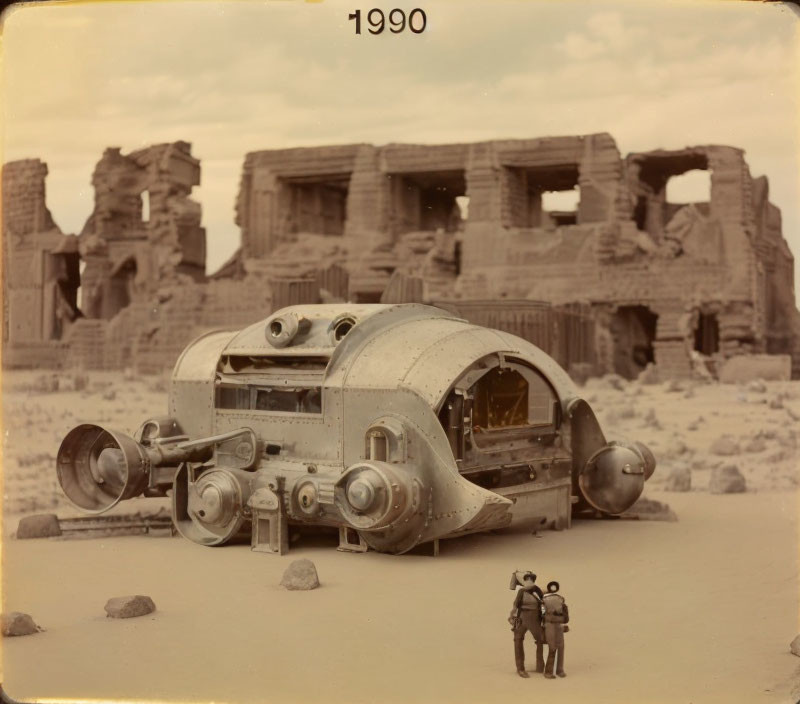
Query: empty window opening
point(428, 201)
point(667, 183)
point(318, 204)
point(706, 334)
point(693, 186)
point(63, 271)
point(640, 213)
point(145, 206)
point(633, 330)
point(546, 196)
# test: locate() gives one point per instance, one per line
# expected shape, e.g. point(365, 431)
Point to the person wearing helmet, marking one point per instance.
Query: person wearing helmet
point(526, 616)
point(556, 616)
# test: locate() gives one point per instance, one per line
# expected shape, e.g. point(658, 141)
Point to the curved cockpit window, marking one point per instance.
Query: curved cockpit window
point(498, 405)
point(512, 397)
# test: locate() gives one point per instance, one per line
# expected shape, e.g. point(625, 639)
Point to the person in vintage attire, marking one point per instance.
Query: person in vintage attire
point(526, 615)
point(556, 616)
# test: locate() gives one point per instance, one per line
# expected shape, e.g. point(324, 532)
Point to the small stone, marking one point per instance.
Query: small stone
point(776, 403)
point(679, 479)
point(757, 386)
point(756, 444)
point(727, 480)
point(110, 395)
point(651, 420)
point(18, 624)
point(129, 606)
point(795, 646)
point(689, 393)
point(43, 525)
point(300, 575)
point(674, 386)
point(725, 446)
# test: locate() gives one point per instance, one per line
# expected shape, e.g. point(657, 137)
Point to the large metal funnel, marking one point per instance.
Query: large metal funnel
point(97, 468)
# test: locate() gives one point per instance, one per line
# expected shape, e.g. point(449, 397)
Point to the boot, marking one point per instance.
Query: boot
point(560, 665)
point(540, 657)
point(519, 658)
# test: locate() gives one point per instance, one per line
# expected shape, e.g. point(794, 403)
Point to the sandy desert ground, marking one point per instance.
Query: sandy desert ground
point(698, 610)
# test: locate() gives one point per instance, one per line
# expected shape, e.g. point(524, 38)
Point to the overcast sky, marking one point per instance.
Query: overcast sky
point(232, 77)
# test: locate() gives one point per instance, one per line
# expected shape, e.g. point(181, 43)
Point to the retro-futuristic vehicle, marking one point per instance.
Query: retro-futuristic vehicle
point(398, 424)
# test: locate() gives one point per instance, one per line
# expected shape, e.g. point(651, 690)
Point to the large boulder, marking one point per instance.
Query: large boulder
point(679, 479)
point(43, 525)
point(15, 623)
point(727, 480)
point(300, 575)
point(724, 446)
point(129, 606)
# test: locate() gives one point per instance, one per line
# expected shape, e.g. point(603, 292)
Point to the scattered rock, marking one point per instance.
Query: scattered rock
point(778, 456)
point(110, 395)
point(18, 624)
point(795, 646)
point(626, 412)
point(651, 420)
point(649, 375)
point(674, 386)
point(44, 525)
point(725, 446)
point(757, 386)
point(776, 403)
point(129, 606)
point(650, 510)
point(755, 444)
point(679, 479)
point(727, 480)
point(794, 416)
point(689, 393)
point(300, 575)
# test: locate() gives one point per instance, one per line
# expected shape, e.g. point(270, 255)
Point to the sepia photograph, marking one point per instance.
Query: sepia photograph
point(439, 351)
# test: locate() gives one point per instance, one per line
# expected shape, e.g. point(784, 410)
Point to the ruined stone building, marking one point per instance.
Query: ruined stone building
point(619, 279)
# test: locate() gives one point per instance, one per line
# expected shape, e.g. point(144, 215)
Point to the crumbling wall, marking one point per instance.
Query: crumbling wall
point(40, 269)
point(668, 283)
point(129, 255)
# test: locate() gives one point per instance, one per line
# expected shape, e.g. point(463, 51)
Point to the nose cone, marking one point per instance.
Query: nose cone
point(613, 478)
